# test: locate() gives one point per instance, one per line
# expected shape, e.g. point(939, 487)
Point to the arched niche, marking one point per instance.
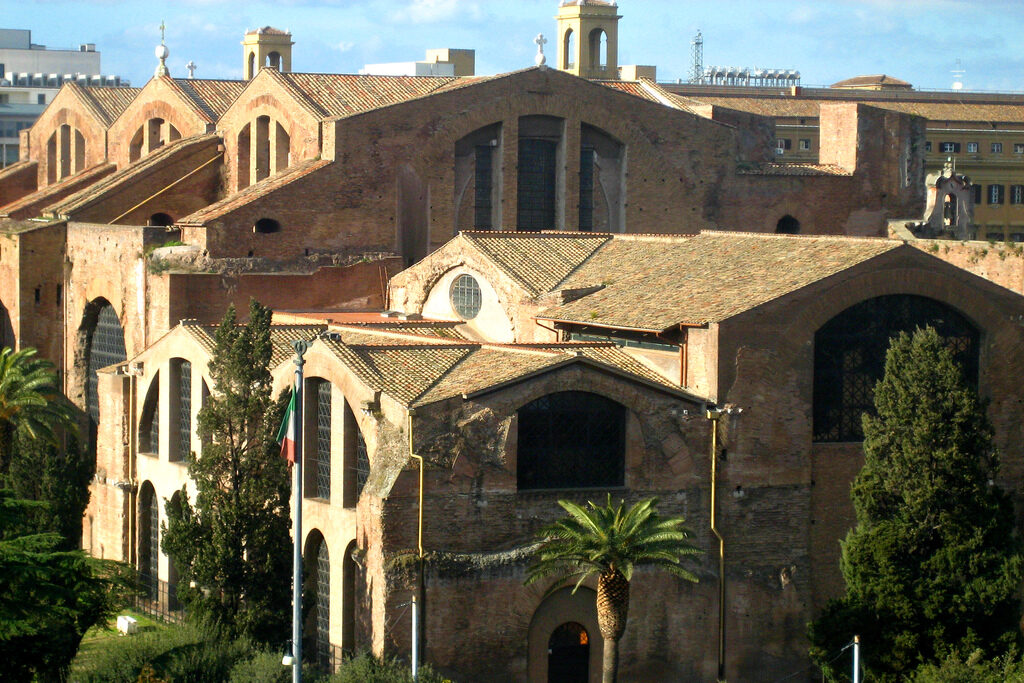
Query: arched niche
point(561, 607)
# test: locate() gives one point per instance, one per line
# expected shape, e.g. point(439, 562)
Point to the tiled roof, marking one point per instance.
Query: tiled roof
point(347, 94)
point(281, 337)
point(876, 79)
point(139, 169)
point(267, 30)
point(704, 278)
point(212, 96)
point(781, 106)
point(794, 169)
point(630, 87)
point(537, 261)
point(109, 102)
point(254, 192)
point(34, 202)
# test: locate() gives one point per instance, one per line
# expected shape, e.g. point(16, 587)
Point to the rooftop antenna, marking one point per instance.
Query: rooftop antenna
point(958, 76)
point(697, 49)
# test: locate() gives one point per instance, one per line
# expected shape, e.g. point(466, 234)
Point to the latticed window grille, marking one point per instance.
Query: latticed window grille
point(362, 463)
point(849, 356)
point(536, 193)
point(482, 219)
point(323, 440)
point(184, 410)
point(105, 347)
point(149, 542)
point(571, 439)
point(466, 296)
point(323, 606)
point(586, 188)
point(149, 426)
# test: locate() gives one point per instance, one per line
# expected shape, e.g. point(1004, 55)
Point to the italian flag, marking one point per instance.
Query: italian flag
point(289, 430)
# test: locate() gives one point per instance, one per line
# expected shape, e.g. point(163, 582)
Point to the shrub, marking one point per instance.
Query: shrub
point(972, 669)
point(368, 669)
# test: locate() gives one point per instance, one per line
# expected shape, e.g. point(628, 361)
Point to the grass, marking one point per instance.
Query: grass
point(98, 636)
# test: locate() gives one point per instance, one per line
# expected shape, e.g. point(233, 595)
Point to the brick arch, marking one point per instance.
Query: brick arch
point(155, 104)
point(48, 126)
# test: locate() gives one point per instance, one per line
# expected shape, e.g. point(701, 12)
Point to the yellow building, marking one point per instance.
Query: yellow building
point(981, 134)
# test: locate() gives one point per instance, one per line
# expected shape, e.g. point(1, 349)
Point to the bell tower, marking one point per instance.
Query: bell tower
point(588, 38)
point(266, 46)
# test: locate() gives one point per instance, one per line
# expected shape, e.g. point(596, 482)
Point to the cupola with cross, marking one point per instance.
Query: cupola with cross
point(588, 38)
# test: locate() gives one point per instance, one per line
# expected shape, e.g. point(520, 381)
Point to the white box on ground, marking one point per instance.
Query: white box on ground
point(127, 625)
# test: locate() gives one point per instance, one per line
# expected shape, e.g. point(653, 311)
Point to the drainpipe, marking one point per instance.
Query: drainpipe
point(418, 591)
point(713, 415)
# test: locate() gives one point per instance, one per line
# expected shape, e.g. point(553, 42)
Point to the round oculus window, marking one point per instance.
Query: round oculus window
point(466, 299)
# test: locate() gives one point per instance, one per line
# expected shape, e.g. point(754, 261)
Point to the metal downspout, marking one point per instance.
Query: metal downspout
point(713, 414)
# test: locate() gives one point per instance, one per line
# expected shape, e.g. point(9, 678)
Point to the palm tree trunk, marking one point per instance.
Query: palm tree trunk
point(610, 661)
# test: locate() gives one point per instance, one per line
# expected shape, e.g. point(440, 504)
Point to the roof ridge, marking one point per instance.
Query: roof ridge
point(579, 265)
point(772, 235)
point(189, 99)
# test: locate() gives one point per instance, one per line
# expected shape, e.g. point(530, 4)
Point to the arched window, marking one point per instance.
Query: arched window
point(161, 219)
point(849, 356)
point(181, 409)
point(571, 439)
point(569, 654)
point(104, 345)
point(242, 157)
point(149, 541)
point(478, 177)
point(602, 159)
point(262, 147)
point(348, 601)
point(787, 225)
point(598, 49)
point(568, 50)
point(538, 176)
point(251, 70)
point(319, 587)
point(149, 425)
point(317, 451)
point(357, 461)
point(265, 226)
point(273, 60)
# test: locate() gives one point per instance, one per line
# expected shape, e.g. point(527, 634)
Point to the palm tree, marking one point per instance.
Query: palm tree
point(31, 404)
point(609, 541)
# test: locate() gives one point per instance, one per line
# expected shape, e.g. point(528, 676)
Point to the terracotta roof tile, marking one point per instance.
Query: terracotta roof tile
point(704, 278)
point(281, 338)
point(212, 96)
point(254, 192)
point(348, 94)
point(117, 181)
point(537, 261)
point(109, 102)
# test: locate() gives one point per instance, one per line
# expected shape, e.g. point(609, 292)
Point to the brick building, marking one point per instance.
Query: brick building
point(533, 296)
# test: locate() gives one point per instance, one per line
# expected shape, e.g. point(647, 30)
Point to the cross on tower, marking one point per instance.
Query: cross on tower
point(191, 66)
point(541, 41)
point(162, 31)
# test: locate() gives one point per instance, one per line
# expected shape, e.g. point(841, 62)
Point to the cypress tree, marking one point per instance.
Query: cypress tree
point(232, 547)
point(934, 562)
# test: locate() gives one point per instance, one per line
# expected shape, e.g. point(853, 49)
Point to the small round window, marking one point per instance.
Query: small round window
point(466, 298)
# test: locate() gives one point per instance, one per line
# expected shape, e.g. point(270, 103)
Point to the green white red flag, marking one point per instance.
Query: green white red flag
point(288, 434)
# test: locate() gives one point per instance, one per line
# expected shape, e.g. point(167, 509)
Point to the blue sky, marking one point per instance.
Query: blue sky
point(827, 40)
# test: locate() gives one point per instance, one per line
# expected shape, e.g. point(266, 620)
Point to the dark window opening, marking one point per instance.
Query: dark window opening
point(266, 226)
point(38, 294)
point(569, 654)
point(323, 439)
point(787, 225)
point(149, 541)
point(184, 410)
point(849, 356)
point(161, 219)
point(571, 439)
point(318, 587)
point(104, 346)
point(483, 187)
point(537, 175)
point(586, 188)
point(149, 425)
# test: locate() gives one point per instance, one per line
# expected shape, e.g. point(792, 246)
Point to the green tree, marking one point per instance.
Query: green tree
point(232, 547)
point(31, 403)
point(49, 597)
point(934, 562)
point(58, 475)
point(609, 541)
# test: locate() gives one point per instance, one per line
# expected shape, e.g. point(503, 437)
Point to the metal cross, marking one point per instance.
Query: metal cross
point(162, 32)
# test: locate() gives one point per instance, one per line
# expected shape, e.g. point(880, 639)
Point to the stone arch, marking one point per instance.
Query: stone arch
point(161, 219)
point(787, 225)
point(598, 49)
point(568, 50)
point(571, 439)
point(148, 552)
point(349, 642)
point(273, 60)
point(250, 70)
point(149, 422)
point(561, 607)
point(318, 587)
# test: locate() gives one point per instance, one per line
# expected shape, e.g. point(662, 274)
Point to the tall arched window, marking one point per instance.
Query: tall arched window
point(571, 439)
point(181, 378)
point(538, 175)
point(104, 345)
point(149, 541)
point(149, 425)
point(319, 587)
point(348, 600)
point(568, 50)
point(849, 356)
point(357, 461)
point(318, 427)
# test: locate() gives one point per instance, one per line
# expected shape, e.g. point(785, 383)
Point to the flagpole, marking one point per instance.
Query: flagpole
point(300, 349)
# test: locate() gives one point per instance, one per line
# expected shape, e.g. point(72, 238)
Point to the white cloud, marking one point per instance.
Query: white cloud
point(344, 46)
point(429, 11)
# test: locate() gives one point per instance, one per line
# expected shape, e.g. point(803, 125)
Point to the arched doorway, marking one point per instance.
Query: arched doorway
point(569, 654)
point(787, 225)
